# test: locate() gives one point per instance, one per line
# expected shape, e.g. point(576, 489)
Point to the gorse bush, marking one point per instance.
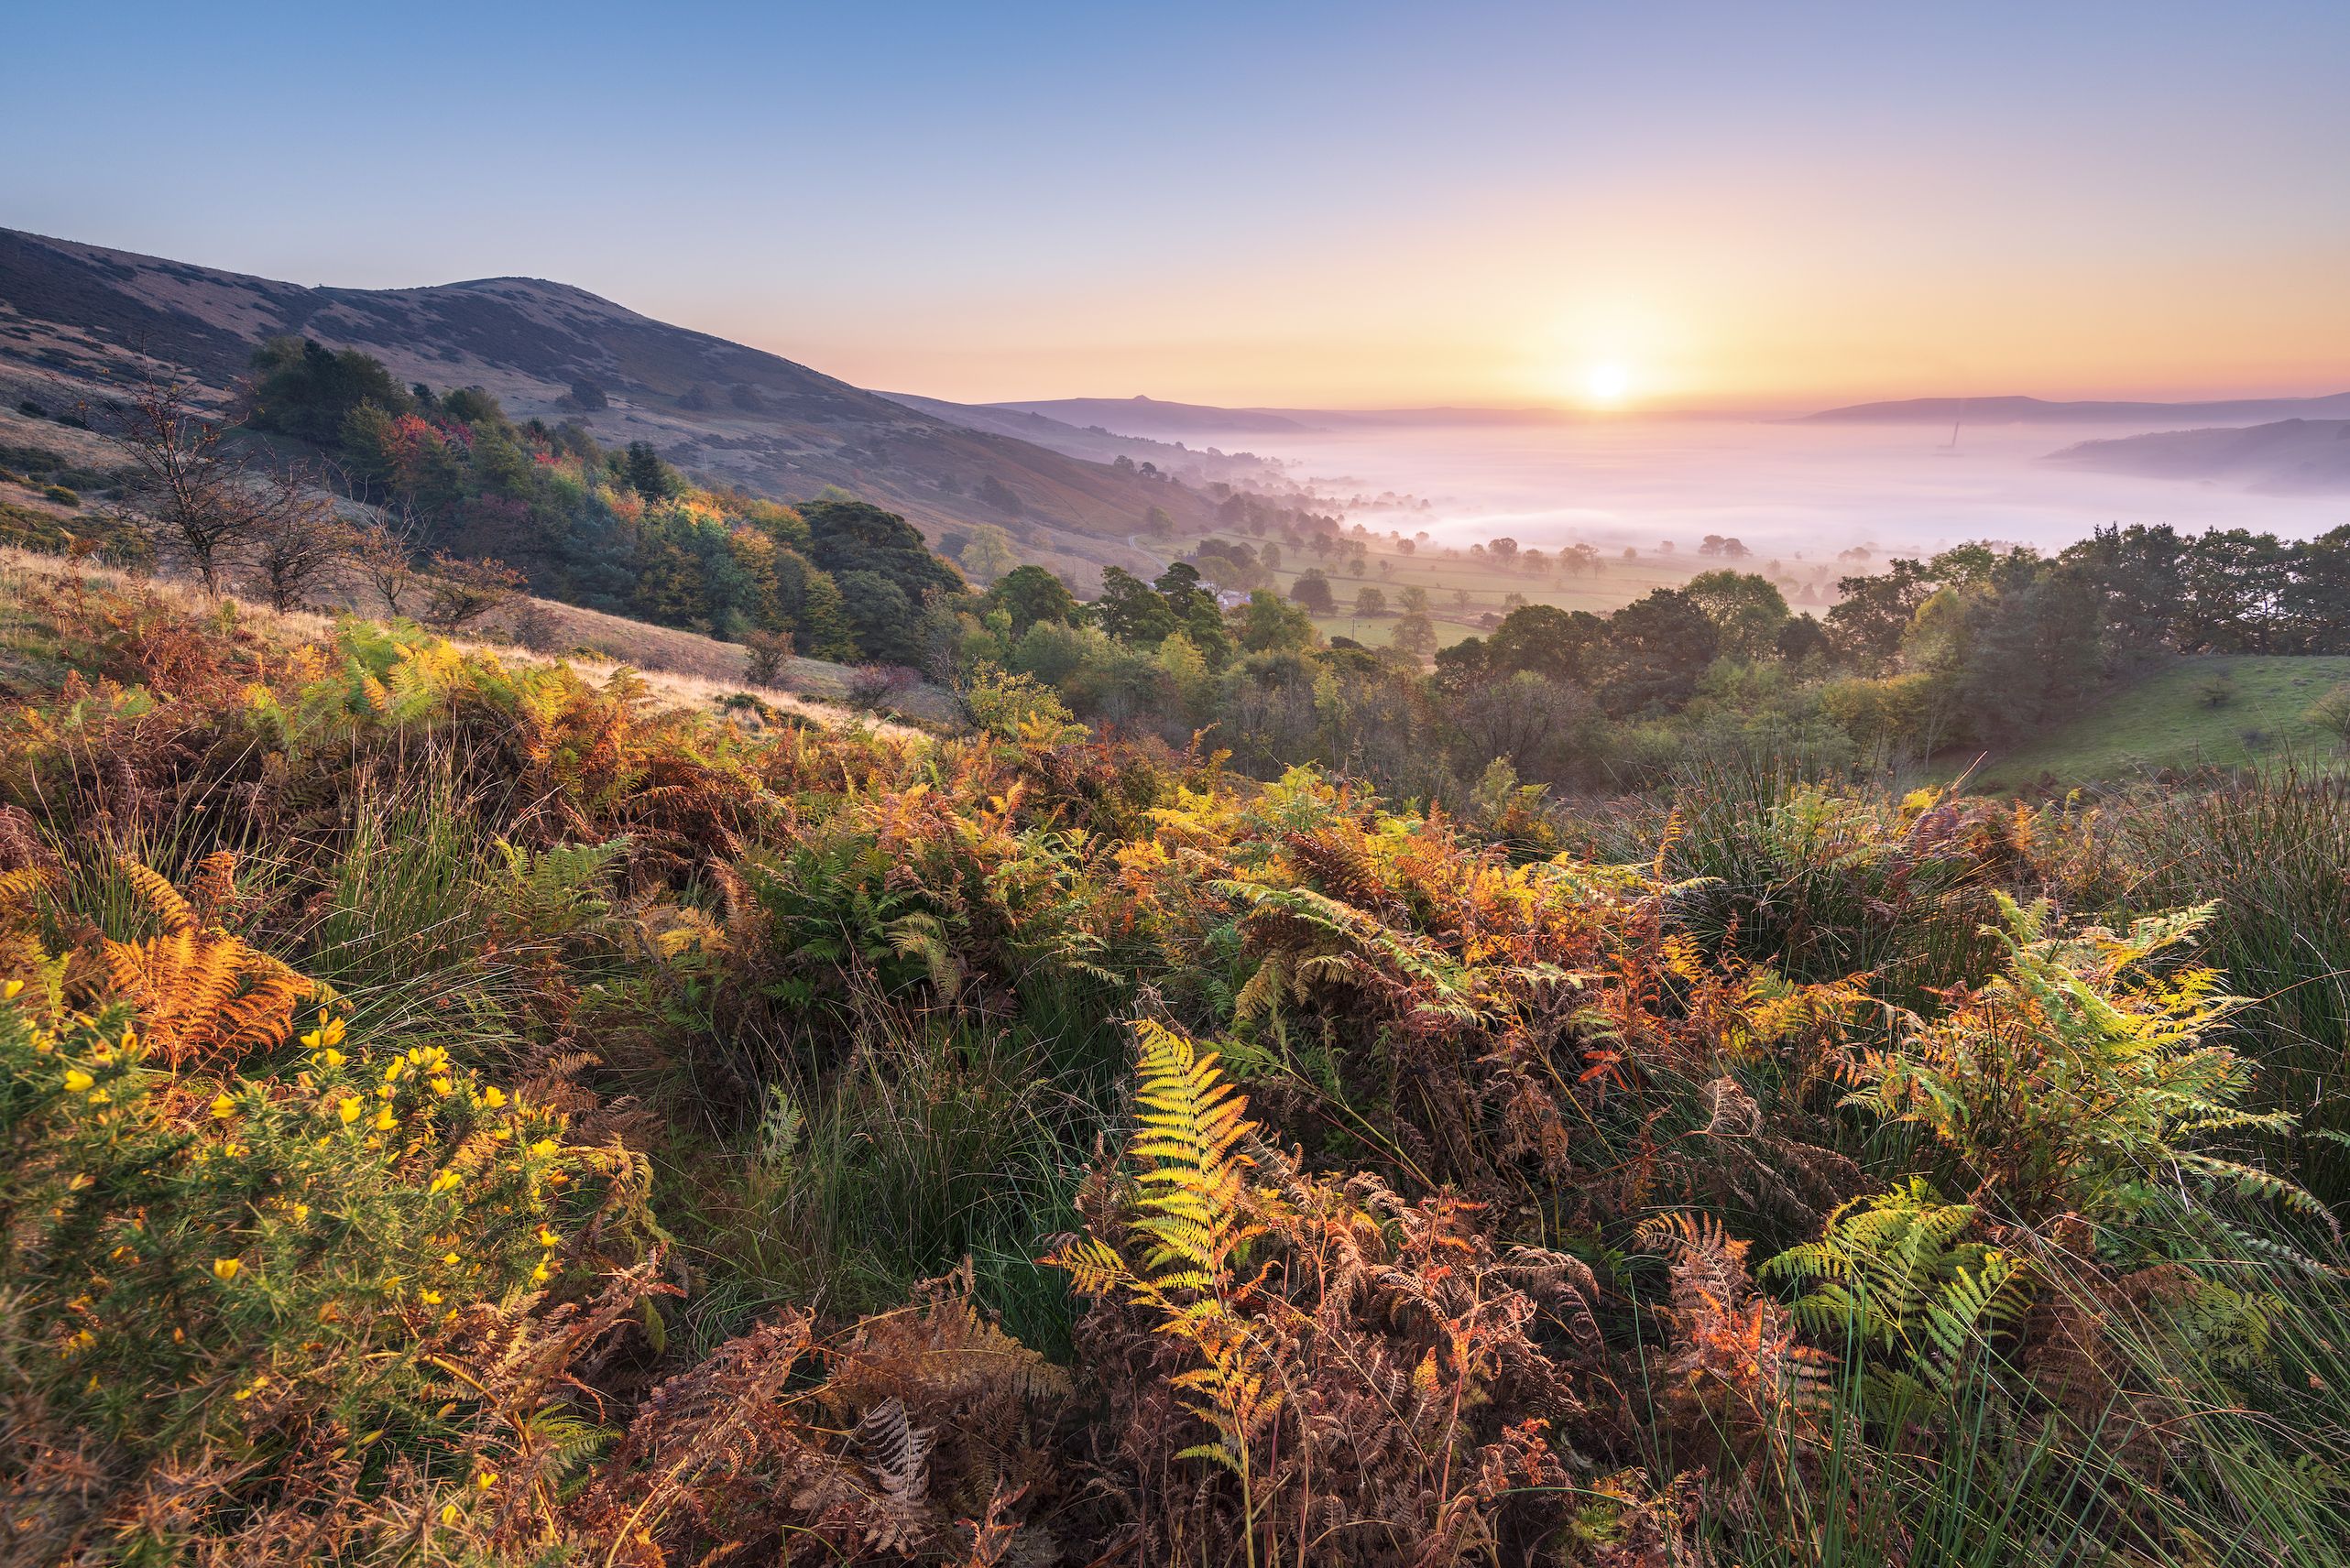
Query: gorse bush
point(237, 1298)
point(461, 1112)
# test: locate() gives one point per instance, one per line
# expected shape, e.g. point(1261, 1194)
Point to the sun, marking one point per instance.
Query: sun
point(1606, 383)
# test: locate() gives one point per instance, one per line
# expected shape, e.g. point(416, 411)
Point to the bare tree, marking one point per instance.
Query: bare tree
point(299, 543)
point(384, 551)
point(458, 593)
point(198, 503)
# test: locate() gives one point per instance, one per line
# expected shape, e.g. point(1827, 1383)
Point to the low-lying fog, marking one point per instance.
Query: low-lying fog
point(1784, 489)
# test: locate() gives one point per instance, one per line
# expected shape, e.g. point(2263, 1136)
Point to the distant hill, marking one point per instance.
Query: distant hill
point(1150, 417)
point(721, 410)
point(2036, 411)
point(2286, 457)
point(1095, 444)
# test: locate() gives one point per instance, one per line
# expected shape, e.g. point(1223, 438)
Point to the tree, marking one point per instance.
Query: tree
point(988, 553)
point(384, 552)
point(1414, 635)
point(847, 535)
point(1548, 641)
point(306, 390)
point(1745, 609)
point(1656, 649)
point(1312, 591)
point(459, 592)
point(880, 617)
point(1269, 624)
point(1030, 594)
point(1130, 611)
point(587, 397)
point(1413, 601)
point(199, 500)
point(648, 475)
point(1522, 718)
point(1000, 495)
point(1371, 603)
point(1158, 523)
point(300, 545)
point(1505, 550)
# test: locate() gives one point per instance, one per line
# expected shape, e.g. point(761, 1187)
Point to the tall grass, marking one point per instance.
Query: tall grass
point(2272, 846)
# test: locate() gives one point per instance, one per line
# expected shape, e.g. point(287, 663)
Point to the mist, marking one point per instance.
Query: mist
point(1799, 491)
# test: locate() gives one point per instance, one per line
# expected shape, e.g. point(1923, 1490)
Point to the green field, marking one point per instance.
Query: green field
point(2168, 720)
point(1486, 583)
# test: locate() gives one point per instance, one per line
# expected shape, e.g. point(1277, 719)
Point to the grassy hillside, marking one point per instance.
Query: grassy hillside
point(2219, 710)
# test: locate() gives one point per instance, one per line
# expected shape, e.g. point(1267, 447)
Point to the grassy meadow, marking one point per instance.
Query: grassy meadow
point(2212, 711)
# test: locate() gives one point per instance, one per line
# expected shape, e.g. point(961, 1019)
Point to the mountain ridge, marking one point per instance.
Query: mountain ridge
point(86, 314)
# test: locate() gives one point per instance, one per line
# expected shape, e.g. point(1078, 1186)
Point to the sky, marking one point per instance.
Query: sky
point(1646, 206)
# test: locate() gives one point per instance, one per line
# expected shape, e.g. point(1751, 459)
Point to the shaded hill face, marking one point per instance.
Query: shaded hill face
point(2296, 457)
point(719, 409)
point(1162, 421)
point(2038, 410)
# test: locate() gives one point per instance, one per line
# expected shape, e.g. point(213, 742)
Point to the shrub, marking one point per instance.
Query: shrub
point(258, 1297)
point(2077, 1080)
point(61, 495)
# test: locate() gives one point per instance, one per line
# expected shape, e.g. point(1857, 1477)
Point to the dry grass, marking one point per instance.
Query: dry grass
point(683, 670)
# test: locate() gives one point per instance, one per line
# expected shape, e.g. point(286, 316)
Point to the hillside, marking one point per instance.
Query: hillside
point(2217, 711)
point(1141, 416)
point(1093, 443)
point(722, 411)
point(2285, 457)
point(2038, 411)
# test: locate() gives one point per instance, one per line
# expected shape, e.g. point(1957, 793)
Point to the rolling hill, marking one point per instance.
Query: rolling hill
point(2040, 410)
point(2307, 457)
point(2219, 710)
point(81, 315)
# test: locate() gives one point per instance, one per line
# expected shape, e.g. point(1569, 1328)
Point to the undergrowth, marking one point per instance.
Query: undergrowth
point(457, 1113)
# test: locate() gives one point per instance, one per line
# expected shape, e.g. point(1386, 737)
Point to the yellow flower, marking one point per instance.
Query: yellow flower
point(541, 1274)
point(260, 1381)
point(548, 1238)
point(76, 1081)
point(301, 1213)
point(443, 1182)
point(441, 1086)
point(80, 1341)
point(451, 1258)
point(222, 1106)
point(448, 1513)
point(485, 1479)
point(544, 1147)
point(348, 1110)
point(331, 1058)
point(430, 1298)
point(391, 1074)
point(9, 993)
point(226, 1267)
point(232, 1148)
point(385, 1120)
point(493, 1097)
point(83, 1182)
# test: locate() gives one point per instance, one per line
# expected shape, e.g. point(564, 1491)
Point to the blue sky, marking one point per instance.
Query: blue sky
point(1288, 202)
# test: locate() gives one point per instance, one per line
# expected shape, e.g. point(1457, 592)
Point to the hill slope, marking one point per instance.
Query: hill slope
point(2168, 721)
point(2286, 457)
point(2038, 410)
point(717, 409)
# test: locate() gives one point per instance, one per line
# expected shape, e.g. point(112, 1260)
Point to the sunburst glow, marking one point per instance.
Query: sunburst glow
point(1607, 385)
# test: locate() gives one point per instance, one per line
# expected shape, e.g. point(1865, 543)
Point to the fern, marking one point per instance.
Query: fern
point(1891, 1274)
